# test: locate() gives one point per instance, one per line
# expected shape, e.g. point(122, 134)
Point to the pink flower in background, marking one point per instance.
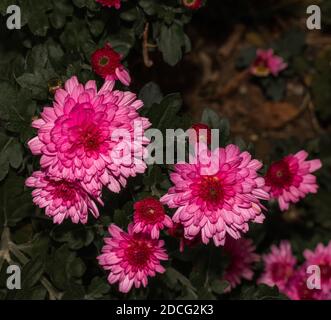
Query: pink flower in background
point(291, 179)
point(242, 258)
point(150, 217)
point(61, 198)
point(267, 63)
point(217, 193)
point(297, 288)
point(192, 4)
point(279, 266)
point(106, 62)
point(321, 257)
point(177, 231)
point(80, 136)
point(110, 3)
point(131, 258)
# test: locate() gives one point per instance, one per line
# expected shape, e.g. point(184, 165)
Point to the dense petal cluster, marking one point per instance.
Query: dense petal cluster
point(267, 63)
point(242, 258)
point(106, 62)
point(291, 179)
point(217, 193)
point(93, 136)
point(62, 198)
point(150, 217)
point(110, 3)
point(279, 266)
point(131, 257)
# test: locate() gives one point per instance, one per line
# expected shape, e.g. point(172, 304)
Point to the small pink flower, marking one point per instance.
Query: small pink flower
point(110, 3)
point(106, 62)
point(62, 199)
point(150, 217)
point(131, 258)
point(81, 137)
point(279, 266)
point(217, 193)
point(291, 179)
point(242, 259)
point(267, 63)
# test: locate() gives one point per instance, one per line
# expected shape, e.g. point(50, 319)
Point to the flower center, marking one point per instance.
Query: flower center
point(64, 190)
point(103, 61)
point(151, 214)
point(279, 174)
point(90, 138)
point(211, 189)
point(138, 253)
point(280, 272)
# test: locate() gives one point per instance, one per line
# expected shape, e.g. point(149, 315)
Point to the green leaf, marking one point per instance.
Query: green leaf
point(34, 82)
point(76, 236)
point(150, 94)
point(15, 202)
point(210, 118)
point(15, 154)
point(32, 272)
point(164, 115)
point(97, 288)
point(149, 6)
point(130, 15)
point(170, 43)
point(219, 286)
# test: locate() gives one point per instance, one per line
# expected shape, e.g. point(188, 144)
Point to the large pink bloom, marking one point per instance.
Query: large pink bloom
point(62, 199)
point(291, 178)
point(216, 193)
point(88, 135)
point(131, 258)
point(267, 63)
point(242, 259)
point(279, 266)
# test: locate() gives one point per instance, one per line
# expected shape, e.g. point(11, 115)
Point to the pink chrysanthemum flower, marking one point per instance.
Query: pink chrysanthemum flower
point(321, 257)
point(177, 231)
point(242, 257)
point(106, 62)
point(110, 3)
point(267, 63)
point(291, 179)
point(93, 136)
point(150, 217)
point(131, 257)
point(192, 4)
point(298, 289)
point(217, 193)
point(279, 266)
point(62, 199)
